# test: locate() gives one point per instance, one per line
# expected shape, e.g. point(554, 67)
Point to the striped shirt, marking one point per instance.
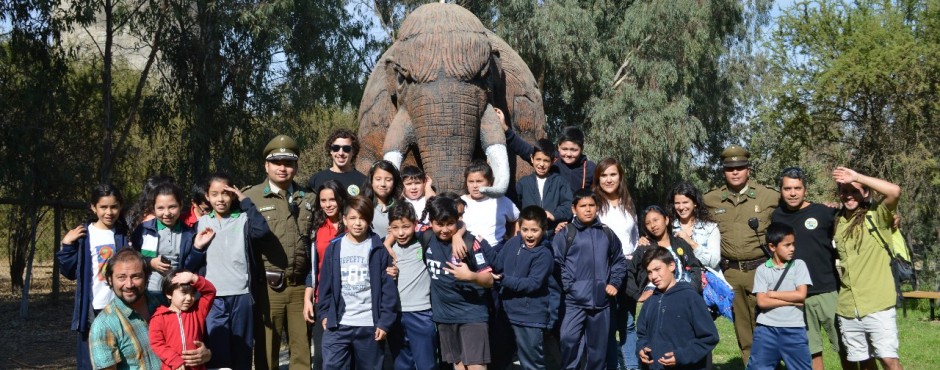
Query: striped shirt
point(120, 337)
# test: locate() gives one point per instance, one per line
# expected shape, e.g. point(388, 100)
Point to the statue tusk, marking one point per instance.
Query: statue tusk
point(499, 161)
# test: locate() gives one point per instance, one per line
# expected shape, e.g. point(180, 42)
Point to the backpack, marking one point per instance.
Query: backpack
point(571, 232)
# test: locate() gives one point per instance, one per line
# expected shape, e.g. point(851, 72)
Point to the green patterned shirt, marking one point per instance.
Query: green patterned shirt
point(120, 337)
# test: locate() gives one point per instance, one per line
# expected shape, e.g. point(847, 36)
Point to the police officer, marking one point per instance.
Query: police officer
point(733, 206)
point(285, 259)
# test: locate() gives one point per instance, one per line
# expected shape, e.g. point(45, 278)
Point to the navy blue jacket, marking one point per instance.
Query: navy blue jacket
point(637, 278)
point(580, 174)
point(557, 199)
point(190, 258)
point(677, 321)
point(385, 303)
point(523, 287)
point(589, 265)
point(74, 264)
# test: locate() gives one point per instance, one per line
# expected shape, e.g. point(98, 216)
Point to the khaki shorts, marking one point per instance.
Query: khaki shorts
point(820, 314)
point(875, 335)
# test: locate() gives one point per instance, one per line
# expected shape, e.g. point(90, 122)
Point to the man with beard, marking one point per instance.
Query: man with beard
point(119, 337)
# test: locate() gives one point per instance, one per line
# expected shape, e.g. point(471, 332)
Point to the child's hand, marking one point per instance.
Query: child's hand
point(560, 227)
point(668, 359)
point(460, 271)
point(235, 192)
point(611, 290)
point(392, 271)
point(645, 356)
point(185, 277)
point(324, 324)
point(550, 216)
point(74, 234)
point(643, 241)
point(496, 276)
point(380, 334)
point(458, 248)
point(428, 188)
point(157, 265)
point(308, 312)
point(204, 238)
point(645, 295)
point(502, 118)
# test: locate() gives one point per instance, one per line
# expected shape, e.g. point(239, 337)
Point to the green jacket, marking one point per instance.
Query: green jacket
point(286, 247)
point(732, 211)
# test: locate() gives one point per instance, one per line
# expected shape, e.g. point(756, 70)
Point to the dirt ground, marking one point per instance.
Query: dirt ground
point(43, 340)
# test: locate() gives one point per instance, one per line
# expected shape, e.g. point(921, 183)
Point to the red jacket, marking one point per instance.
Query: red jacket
point(166, 337)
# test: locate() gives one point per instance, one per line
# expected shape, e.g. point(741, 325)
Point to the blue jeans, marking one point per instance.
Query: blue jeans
point(772, 344)
point(623, 352)
point(416, 347)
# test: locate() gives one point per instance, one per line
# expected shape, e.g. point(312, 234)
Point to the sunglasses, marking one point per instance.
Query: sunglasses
point(344, 148)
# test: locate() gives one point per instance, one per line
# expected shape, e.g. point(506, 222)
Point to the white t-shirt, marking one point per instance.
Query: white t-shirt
point(487, 218)
point(624, 226)
point(540, 183)
point(102, 249)
point(419, 208)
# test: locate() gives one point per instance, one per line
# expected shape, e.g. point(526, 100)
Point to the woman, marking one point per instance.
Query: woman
point(692, 223)
point(616, 210)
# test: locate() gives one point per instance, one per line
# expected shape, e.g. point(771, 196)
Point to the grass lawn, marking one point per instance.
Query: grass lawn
point(920, 342)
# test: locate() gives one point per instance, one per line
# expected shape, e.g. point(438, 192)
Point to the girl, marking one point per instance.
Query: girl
point(165, 242)
point(142, 210)
point(85, 252)
point(327, 224)
point(692, 223)
point(357, 299)
point(229, 264)
point(489, 218)
point(383, 187)
point(656, 230)
point(616, 210)
point(177, 326)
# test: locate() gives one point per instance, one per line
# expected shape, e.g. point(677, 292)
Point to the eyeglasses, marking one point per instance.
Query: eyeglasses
point(344, 148)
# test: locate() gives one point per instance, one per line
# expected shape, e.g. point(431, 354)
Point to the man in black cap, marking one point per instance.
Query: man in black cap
point(284, 255)
point(737, 206)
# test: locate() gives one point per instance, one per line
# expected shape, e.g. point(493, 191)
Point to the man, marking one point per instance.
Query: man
point(343, 147)
point(284, 256)
point(119, 336)
point(733, 206)
point(813, 225)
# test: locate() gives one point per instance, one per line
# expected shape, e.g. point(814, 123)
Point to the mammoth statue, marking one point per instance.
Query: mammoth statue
point(430, 99)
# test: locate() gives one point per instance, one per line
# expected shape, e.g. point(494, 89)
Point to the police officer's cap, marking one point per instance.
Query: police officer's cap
point(735, 156)
point(281, 147)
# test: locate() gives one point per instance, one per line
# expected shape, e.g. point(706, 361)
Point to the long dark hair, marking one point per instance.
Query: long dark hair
point(623, 191)
point(654, 209)
point(397, 188)
point(144, 204)
point(108, 190)
point(319, 215)
point(686, 189)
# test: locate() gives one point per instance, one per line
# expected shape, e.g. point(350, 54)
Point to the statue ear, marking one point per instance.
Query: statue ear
point(496, 77)
point(391, 79)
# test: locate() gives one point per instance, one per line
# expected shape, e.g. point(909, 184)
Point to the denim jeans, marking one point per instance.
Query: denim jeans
point(622, 352)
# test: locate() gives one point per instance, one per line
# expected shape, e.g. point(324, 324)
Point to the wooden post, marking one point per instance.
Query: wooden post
point(56, 244)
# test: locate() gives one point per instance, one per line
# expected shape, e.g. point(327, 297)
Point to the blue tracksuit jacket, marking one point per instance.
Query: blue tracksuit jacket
point(589, 265)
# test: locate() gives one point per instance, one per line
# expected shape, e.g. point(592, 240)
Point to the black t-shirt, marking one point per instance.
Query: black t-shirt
point(352, 181)
point(813, 227)
point(454, 301)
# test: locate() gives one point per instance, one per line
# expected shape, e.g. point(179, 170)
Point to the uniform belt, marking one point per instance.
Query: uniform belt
point(743, 265)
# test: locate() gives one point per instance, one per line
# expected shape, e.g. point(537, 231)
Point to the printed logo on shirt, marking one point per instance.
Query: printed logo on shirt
point(811, 223)
point(352, 190)
point(354, 274)
point(435, 268)
point(104, 254)
point(479, 258)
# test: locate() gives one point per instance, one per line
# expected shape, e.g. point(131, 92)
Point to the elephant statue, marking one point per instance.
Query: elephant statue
point(429, 100)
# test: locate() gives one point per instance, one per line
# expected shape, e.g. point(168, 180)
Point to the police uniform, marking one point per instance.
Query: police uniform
point(286, 262)
point(741, 250)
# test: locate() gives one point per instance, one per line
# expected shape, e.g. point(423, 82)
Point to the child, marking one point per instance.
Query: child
point(357, 300)
point(545, 188)
point(230, 264)
point(417, 189)
point(382, 188)
point(591, 268)
point(165, 242)
point(198, 205)
point(674, 329)
point(458, 296)
point(656, 233)
point(489, 218)
point(85, 251)
point(415, 343)
point(177, 327)
point(780, 285)
point(521, 272)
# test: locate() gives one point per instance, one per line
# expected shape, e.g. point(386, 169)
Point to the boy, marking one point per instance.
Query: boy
point(674, 329)
point(545, 188)
point(521, 273)
point(416, 190)
point(459, 300)
point(415, 342)
point(592, 267)
point(780, 285)
point(180, 325)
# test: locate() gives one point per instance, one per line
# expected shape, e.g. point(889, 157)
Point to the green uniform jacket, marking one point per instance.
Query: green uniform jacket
point(285, 247)
point(732, 210)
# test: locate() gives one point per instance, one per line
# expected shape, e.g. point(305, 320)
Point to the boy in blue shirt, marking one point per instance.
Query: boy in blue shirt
point(545, 188)
point(521, 271)
point(781, 286)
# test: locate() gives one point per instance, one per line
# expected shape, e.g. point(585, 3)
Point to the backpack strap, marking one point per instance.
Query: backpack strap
point(783, 275)
point(874, 230)
point(570, 233)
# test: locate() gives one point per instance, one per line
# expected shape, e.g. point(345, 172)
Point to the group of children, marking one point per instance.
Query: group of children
point(468, 280)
